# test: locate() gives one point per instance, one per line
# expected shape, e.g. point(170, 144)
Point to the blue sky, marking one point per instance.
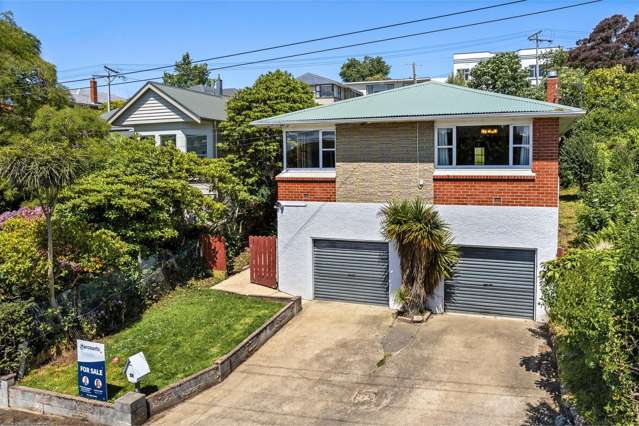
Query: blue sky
point(80, 36)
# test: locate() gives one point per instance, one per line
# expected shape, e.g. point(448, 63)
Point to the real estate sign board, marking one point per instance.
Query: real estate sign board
point(92, 381)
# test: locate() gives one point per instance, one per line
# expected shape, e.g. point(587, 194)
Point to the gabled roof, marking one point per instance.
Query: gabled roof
point(425, 101)
point(196, 104)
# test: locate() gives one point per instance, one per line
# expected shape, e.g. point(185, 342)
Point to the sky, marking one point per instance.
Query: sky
point(79, 37)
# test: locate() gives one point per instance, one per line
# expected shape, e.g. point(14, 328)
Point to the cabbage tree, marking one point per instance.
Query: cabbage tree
point(424, 243)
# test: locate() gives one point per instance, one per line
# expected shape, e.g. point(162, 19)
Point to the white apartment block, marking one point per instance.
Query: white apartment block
point(464, 62)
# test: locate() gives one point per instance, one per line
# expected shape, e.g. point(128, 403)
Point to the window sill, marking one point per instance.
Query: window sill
point(484, 174)
point(307, 174)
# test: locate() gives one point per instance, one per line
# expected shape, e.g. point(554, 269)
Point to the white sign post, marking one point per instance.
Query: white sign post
point(135, 368)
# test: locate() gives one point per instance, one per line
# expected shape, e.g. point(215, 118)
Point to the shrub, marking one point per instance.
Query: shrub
point(582, 161)
point(16, 323)
point(592, 297)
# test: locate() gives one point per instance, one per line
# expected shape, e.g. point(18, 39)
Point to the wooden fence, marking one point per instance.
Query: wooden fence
point(264, 260)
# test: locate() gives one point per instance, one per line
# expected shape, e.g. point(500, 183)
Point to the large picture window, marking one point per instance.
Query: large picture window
point(483, 146)
point(310, 149)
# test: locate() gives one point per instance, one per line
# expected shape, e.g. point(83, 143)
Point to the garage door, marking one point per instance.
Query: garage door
point(493, 281)
point(351, 271)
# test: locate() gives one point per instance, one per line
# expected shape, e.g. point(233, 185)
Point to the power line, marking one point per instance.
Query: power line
point(438, 30)
point(313, 40)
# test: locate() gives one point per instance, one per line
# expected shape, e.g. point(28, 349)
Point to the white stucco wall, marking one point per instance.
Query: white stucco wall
point(485, 226)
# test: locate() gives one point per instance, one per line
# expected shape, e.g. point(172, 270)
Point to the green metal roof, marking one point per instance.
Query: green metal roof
point(205, 105)
point(431, 99)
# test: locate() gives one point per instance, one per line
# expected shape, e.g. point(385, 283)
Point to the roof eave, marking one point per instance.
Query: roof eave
point(558, 114)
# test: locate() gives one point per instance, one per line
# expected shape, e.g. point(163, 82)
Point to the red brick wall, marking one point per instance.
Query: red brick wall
point(542, 190)
point(305, 189)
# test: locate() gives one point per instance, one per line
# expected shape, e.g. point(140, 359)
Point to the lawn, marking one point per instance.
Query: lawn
point(569, 203)
point(180, 335)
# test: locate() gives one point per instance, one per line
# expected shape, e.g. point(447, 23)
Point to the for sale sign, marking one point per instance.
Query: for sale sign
point(92, 381)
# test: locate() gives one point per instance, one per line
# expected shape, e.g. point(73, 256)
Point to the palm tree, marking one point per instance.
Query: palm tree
point(42, 170)
point(424, 243)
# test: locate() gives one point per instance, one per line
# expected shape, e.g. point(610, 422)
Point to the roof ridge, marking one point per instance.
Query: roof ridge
point(185, 89)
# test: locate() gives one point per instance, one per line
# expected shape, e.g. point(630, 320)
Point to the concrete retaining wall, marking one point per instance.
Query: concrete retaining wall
point(134, 408)
point(131, 409)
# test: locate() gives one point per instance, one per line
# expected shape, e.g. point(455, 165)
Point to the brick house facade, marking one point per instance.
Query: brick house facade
point(488, 163)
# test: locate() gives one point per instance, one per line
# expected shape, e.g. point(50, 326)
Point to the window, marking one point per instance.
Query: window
point(380, 87)
point(483, 146)
point(326, 91)
point(310, 149)
point(167, 140)
point(466, 73)
point(531, 71)
point(445, 146)
point(197, 144)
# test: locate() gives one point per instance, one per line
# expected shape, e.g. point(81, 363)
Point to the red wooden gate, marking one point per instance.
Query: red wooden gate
point(263, 260)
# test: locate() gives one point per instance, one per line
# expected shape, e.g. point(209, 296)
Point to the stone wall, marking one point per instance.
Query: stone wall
point(377, 162)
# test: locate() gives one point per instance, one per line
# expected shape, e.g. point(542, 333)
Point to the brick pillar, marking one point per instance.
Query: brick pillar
point(552, 89)
point(93, 91)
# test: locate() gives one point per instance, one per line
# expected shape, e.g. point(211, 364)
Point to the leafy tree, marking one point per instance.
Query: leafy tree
point(255, 152)
point(51, 158)
point(142, 194)
point(571, 86)
point(115, 104)
point(369, 68)
point(27, 82)
point(503, 74)
point(456, 78)
point(42, 171)
point(424, 243)
point(582, 161)
point(554, 59)
point(612, 88)
point(186, 74)
point(614, 41)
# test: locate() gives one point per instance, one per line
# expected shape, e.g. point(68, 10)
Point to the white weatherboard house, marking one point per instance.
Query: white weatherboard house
point(185, 118)
point(489, 164)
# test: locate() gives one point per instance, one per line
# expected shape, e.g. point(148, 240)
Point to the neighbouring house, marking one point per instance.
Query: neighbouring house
point(529, 58)
point(376, 86)
point(91, 97)
point(489, 163)
point(327, 91)
point(185, 118)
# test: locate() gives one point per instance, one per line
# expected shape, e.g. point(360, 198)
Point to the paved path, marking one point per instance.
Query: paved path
point(352, 364)
point(241, 284)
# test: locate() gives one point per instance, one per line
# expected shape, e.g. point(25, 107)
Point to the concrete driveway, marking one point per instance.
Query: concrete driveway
point(352, 364)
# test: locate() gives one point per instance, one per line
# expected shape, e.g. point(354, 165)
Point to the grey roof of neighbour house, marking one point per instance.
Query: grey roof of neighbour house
point(426, 101)
point(212, 90)
point(201, 104)
point(313, 79)
point(107, 114)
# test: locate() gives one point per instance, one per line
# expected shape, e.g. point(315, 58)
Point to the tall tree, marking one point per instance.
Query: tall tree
point(503, 73)
point(27, 82)
point(50, 159)
point(369, 68)
point(256, 152)
point(187, 74)
point(614, 41)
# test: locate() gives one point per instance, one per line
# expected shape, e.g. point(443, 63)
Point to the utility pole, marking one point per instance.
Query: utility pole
point(414, 73)
point(537, 39)
point(110, 76)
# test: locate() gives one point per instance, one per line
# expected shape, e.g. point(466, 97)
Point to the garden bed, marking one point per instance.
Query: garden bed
point(180, 335)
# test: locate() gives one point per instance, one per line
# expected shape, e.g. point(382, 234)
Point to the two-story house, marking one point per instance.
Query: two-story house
point(489, 163)
point(369, 87)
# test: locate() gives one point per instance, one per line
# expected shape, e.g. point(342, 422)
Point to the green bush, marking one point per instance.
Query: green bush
point(582, 161)
point(16, 323)
point(23, 267)
point(592, 297)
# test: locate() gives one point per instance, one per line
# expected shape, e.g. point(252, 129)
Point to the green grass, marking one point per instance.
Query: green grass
point(569, 204)
point(180, 335)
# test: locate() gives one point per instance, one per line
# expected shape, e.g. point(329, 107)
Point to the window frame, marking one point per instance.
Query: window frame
point(321, 149)
point(511, 145)
point(186, 143)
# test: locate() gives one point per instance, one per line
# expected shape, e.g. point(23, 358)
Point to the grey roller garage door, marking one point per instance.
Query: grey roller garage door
point(493, 281)
point(351, 271)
